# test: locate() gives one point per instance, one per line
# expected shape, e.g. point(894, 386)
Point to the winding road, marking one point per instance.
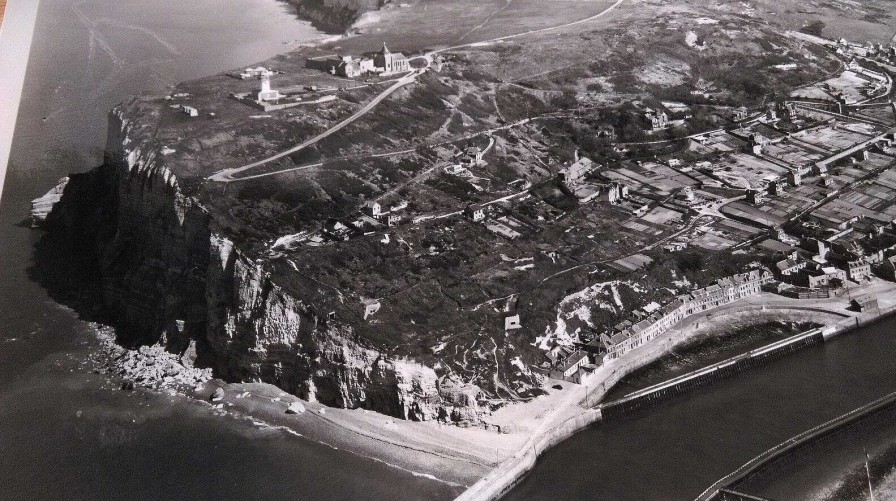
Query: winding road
point(229, 175)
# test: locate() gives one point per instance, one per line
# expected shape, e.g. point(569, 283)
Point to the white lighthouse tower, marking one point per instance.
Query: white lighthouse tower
point(266, 93)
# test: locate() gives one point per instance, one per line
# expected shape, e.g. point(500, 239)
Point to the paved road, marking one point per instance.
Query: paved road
point(228, 175)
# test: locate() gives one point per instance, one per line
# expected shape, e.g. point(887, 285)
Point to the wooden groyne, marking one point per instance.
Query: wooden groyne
point(702, 377)
point(719, 490)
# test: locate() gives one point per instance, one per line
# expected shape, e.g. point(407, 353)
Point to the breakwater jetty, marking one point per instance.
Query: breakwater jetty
point(721, 491)
point(692, 380)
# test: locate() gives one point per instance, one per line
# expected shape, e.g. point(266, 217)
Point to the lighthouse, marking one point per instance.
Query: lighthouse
point(266, 93)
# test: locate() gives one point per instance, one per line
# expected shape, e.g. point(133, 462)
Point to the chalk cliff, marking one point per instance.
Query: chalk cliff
point(167, 277)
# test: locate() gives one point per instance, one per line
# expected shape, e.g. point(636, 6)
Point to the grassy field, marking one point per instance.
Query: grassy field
point(433, 23)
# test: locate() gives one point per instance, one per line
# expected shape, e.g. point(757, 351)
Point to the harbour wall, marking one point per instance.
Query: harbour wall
point(729, 367)
point(719, 490)
point(500, 480)
point(720, 370)
point(503, 478)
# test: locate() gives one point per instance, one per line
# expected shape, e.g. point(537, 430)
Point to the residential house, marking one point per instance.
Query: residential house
point(863, 303)
point(575, 172)
point(615, 344)
point(475, 214)
point(568, 368)
point(373, 208)
point(858, 270)
point(657, 119)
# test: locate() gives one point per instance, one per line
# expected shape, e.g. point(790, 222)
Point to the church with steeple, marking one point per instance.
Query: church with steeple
point(383, 62)
point(390, 62)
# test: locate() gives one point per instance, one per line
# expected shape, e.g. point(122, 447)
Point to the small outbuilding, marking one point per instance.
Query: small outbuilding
point(512, 322)
point(863, 303)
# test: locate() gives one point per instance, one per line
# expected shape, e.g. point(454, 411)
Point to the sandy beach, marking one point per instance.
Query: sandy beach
point(482, 462)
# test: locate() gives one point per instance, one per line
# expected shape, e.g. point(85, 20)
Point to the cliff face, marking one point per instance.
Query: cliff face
point(166, 277)
point(334, 15)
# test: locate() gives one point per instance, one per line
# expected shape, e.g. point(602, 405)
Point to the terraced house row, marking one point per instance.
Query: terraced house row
point(726, 290)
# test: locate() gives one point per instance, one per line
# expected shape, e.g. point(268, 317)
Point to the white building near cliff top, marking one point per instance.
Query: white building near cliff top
point(512, 322)
point(389, 62)
point(266, 93)
point(371, 306)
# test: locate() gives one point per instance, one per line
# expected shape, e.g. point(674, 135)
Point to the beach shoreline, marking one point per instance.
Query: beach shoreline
point(562, 424)
point(477, 462)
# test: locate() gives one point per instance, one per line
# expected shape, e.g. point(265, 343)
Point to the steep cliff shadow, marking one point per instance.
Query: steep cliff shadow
point(65, 258)
point(117, 252)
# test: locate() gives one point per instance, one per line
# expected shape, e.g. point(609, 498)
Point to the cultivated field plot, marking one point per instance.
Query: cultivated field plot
point(734, 230)
point(718, 142)
point(785, 205)
point(887, 180)
point(753, 169)
point(711, 241)
point(631, 263)
point(848, 83)
point(791, 153)
point(744, 212)
point(875, 200)
point(837, 212)
point(883, 114)
point(650, 177)
point(833, 138)
point(661, 215)
point(876, 161)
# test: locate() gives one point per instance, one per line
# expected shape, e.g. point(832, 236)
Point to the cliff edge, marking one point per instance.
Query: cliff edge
point(166, 277)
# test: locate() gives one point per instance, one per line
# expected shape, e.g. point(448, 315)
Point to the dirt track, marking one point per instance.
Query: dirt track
point(227, 175)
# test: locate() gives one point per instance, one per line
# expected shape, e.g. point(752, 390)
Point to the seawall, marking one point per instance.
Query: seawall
point(715, 372)
point(510, 472)
point(713, 493)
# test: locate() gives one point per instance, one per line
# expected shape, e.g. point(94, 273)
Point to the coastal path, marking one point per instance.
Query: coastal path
point(228, 175)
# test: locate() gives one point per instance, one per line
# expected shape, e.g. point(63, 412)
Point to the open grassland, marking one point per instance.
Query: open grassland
point(433, 24)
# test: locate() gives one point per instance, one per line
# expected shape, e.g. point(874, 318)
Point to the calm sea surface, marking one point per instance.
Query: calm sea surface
point(63, 433)
point(677, 449)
